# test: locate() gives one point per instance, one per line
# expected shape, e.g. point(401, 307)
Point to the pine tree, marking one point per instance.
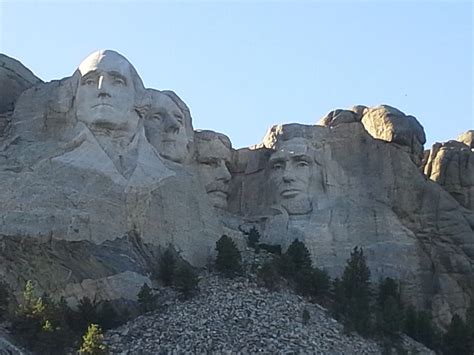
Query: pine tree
point(269, 275)
point(356, 285)
point(186, 280)
point(93, 341)
point(167, 266)
point(228, 260)
point(456, 341)
point(146, 300)
point(390, 309)
point(299, 255)
point(253, 238)
point(470, 322)
point(4, 299)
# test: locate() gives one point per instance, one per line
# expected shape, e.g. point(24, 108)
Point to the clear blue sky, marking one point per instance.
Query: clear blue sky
point(243, 66)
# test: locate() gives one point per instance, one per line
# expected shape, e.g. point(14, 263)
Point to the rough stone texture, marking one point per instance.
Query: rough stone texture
point(370, 195)
point(14, 79)
point(391, 125)
point(99, 174)
point(467, 138)
point(451, 165)
point(236, 316)
point(79, 172)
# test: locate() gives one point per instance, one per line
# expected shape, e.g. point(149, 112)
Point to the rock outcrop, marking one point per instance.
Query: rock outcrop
point(451, 165)
point(100, 174)
point(14, 79)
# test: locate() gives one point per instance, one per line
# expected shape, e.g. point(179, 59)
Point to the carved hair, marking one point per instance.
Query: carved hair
point(208, 136)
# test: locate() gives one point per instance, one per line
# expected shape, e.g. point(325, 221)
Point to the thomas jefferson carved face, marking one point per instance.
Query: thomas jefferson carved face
point(213, 157)
point(105, 97)
point(165, 128)
point(291, 170)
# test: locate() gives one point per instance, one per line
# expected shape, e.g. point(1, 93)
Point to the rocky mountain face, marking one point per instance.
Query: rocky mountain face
point(99, 174)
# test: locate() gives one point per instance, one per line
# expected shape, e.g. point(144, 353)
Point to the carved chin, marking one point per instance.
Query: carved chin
point(297, 206)
point(218, 199)
point(173, 152)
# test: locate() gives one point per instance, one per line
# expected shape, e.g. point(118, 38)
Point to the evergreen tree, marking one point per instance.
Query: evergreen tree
point(186, 280)
point(269, 275)
point(93, 341)
point(146, 300)
point(470, 322)
point(228, 260)
point(456, 341)
point(167, 266)
point(312, 282)
point(253, 238)
point(299, 256)
point(390, 309)
point(107, 316)
point(4, 299)
point(419, 325)
point(356, 285)
point(339, 299)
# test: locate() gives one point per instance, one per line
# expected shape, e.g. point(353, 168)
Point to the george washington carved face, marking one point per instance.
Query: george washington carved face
point(106, 93)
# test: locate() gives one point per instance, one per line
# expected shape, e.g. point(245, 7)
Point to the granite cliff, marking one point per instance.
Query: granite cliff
point(99, 174)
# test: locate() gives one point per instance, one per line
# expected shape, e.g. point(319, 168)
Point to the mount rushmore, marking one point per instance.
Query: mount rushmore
point(100, 174)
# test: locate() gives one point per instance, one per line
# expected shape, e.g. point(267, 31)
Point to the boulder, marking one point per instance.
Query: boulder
point(391, 125)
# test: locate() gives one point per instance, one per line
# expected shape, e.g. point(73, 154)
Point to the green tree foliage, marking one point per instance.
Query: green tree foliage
point(419, 325)
point(299, 256)
point(456, 340)
point(389, 308)
point(470, 321)
point(93, 341)
point(40, 323)
point(146, 300)
point(4, 299)
point(295, 266)
point(269, 275)
point(186, 280)
point(312, 282)
point(352, 294)
point(228, 260)
point(167, 266)
point(253, 237)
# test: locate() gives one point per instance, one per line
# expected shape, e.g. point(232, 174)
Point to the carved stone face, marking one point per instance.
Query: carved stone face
point(105, 96)
point(165, 128)
point(291, 170)
point(213, 159)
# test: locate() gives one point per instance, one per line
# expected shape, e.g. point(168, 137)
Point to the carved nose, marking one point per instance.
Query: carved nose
point(102, 89)
point(224, 174)
point(288, 176)
point(171, 125)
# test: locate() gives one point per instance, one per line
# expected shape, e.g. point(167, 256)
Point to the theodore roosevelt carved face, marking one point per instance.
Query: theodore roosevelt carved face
point(213, 157)
point(106, 92)
point(292, 167)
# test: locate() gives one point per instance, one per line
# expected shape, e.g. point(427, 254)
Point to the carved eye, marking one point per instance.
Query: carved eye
point(89, 81)
point(278, 166)
point(157, 116)
point(302, 164)
point(209, 163)
point(119, 81)
point(179, 118)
